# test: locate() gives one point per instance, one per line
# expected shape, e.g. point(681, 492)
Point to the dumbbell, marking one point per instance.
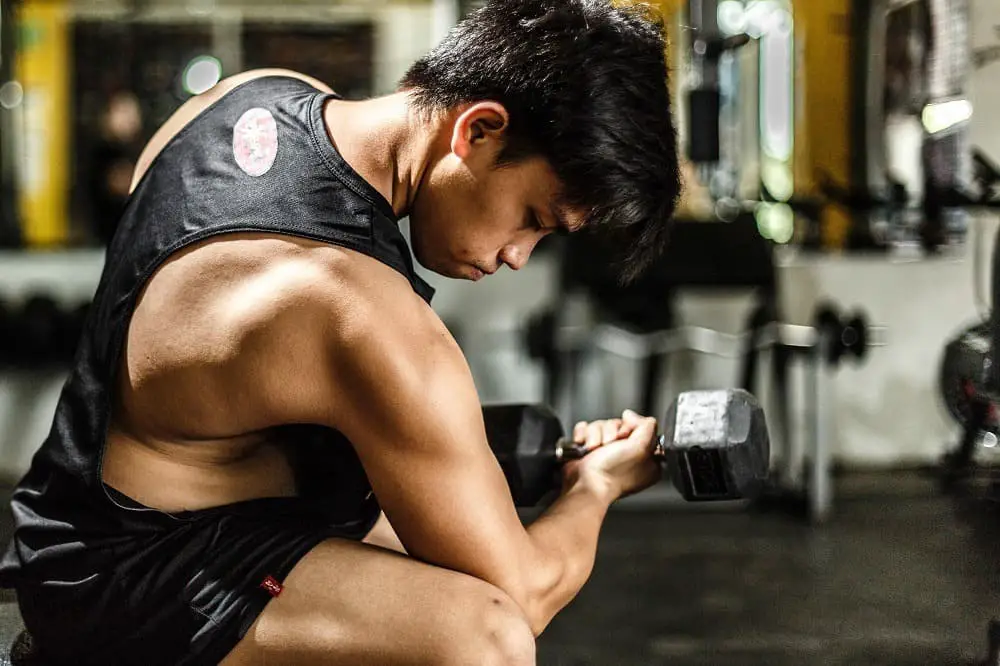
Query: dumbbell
point(714, 443)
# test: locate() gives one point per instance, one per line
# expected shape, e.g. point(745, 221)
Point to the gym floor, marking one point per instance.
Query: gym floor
point(901, 576)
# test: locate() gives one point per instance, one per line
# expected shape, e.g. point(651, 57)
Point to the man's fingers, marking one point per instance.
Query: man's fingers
point(631, 418)
point(625, 429)
point(645, 431)
point(635, 420)
point(641, 427)
point(597, 433)
point(609, 430)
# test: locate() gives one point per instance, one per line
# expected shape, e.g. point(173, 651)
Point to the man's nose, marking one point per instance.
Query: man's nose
point(516, 256)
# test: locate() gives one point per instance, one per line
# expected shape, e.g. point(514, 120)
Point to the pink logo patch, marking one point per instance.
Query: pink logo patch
point(255, 142)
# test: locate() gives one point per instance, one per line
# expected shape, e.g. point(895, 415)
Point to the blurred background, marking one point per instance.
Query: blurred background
point(833, 254)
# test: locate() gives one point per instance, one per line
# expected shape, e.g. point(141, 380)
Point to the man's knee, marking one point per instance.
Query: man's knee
point(497, 635)
point(510, 635)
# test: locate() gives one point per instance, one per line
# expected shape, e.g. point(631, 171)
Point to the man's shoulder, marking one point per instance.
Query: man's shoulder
point(365, 329)
point(195, 106)
point(238, 79)
point(367, 297)
point(305, 319)
point(274, 285)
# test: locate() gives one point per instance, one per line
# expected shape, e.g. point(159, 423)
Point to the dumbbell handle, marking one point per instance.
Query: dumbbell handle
point(567, 450)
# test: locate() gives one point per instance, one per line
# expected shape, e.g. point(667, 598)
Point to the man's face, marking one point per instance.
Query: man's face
point(470, 217)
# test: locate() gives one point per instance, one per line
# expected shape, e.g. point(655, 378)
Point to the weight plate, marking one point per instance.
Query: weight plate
point(963, 366)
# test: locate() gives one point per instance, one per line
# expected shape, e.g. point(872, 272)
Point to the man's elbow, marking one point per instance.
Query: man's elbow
point(539, 622)
point(534, 610)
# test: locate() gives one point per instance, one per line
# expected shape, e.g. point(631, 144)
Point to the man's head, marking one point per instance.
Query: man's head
point(550, 112)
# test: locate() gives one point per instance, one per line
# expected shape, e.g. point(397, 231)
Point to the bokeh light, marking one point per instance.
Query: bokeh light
point(202, 74)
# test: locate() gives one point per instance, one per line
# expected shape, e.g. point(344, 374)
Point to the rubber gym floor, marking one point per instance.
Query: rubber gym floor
point(900, 576)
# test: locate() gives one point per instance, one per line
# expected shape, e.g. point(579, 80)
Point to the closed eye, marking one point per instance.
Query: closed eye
point(533, 222)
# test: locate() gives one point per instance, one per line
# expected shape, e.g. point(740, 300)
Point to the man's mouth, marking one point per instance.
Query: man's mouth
point(478, 273)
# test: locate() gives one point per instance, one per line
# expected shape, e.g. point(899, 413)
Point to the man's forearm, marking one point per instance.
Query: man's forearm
point(565, 538)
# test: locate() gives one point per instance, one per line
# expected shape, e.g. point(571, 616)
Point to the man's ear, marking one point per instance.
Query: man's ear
point(481, 125)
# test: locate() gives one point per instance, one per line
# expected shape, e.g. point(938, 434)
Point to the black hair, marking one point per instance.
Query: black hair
point(585, 85)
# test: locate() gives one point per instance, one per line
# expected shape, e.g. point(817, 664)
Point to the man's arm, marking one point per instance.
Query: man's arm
point(403, 394)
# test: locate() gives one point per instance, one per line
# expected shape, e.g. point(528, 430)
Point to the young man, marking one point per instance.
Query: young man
point(263, 390)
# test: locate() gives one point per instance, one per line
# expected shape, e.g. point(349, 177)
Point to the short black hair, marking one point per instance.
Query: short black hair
point(585, 83)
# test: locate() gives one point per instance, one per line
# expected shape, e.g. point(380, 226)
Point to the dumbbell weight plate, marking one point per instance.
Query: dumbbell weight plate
point(854, 336)
point(523, 439)
point(717, 445)
point(830, 326)
point(842, 336)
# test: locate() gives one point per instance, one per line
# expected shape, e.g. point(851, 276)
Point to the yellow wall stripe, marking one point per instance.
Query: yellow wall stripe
point(43, 68)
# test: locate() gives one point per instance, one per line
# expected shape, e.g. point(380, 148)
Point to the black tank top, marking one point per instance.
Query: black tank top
point(257, 160)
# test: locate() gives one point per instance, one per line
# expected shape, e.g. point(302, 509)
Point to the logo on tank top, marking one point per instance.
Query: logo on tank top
point(255, 142)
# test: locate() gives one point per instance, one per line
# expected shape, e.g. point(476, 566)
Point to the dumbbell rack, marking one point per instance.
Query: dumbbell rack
point(577, 335)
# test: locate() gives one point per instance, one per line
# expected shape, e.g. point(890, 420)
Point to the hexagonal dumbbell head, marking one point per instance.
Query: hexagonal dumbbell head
point(716, 445)
point(524, 438)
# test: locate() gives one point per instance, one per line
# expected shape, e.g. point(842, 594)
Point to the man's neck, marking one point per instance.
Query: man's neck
point(385, 143)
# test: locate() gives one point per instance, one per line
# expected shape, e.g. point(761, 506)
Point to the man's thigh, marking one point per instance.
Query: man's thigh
point(352, 603)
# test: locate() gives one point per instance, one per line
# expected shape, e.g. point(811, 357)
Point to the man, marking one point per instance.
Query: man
point(263, 399)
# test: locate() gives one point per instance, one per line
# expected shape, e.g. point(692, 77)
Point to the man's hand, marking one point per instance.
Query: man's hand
point(619, 455)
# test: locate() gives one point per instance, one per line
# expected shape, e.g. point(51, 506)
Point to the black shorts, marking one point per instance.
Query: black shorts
point(181, 596)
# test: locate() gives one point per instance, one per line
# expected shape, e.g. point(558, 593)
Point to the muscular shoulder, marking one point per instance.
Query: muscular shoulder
point(292, 289)
point(384, 336)
point(376, 306)
point(340, 324)
point(274, 320)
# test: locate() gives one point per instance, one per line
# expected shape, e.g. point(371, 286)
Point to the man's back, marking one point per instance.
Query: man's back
point(222, 350)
